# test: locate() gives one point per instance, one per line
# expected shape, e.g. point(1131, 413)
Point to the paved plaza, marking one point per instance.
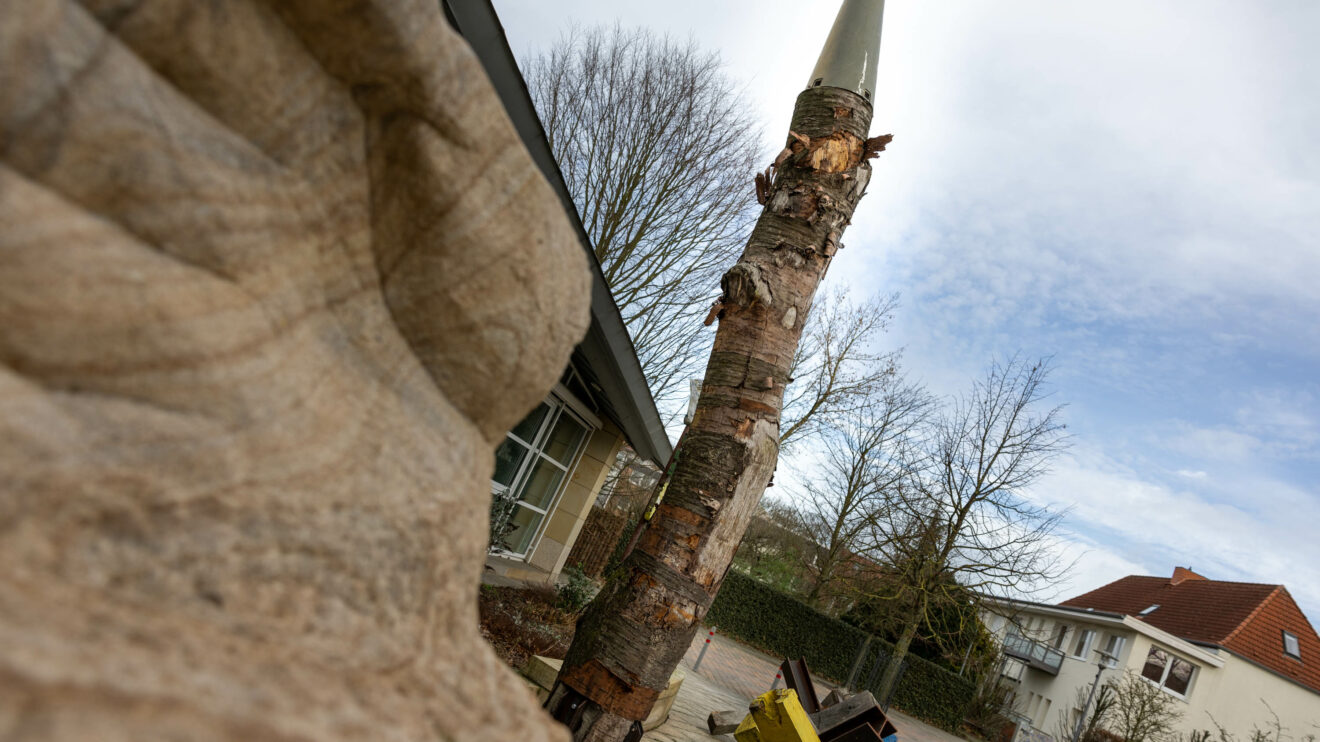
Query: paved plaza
point(731, 674)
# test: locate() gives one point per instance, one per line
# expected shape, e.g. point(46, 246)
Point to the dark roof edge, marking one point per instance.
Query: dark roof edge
point(607, 346)
point(1205, 579)
point(1054, 607)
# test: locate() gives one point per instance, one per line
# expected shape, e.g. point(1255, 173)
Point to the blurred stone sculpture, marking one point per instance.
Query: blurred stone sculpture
point(274, 276)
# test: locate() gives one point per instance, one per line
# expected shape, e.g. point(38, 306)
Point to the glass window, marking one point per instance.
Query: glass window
point(563, 441)
point(1291, 647)
point(1169, 672)
point(1179, 677)
point(531, 466)
point(1113, 648)
point(1156, 662)
point(1060, 632)
point(531, 425)
point(508, 459)
point(541, 484)
point(1082, 646)
point(525, 522)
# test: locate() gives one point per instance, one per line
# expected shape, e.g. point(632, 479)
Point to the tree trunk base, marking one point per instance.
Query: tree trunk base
point(586, 720)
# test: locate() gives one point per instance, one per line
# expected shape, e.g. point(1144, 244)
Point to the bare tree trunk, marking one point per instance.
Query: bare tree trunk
point(890, 675)
point(631, 638)
point(813, 597)
point(820, 598)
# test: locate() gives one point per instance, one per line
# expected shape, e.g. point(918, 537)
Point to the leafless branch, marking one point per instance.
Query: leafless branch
point(657, 147)
point(868, 452)
point(837, 369)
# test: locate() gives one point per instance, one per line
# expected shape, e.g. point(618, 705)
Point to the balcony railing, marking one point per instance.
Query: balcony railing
point(1035, 654)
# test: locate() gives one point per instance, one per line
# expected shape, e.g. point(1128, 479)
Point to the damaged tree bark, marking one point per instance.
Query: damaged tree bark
point(634, 634)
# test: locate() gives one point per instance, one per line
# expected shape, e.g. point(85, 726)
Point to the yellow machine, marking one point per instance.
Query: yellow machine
point(776, 716)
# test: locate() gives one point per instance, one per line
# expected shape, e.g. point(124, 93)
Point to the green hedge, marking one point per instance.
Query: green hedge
point(785, 627)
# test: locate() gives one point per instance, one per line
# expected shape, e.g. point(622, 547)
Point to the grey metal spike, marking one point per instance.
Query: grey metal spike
point(849, 58)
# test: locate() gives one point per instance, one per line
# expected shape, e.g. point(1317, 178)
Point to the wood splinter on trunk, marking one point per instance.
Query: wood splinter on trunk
point(762, 181)
point(715, 308)
point(876, 145)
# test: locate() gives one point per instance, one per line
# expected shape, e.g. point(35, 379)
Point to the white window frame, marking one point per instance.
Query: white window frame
point(1297, 655)
point(1168, 667)
point(1087, 637)
point(1118, 642)
point(561, 402)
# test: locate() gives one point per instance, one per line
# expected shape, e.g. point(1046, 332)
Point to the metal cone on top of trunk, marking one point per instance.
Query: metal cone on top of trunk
point(633, 635)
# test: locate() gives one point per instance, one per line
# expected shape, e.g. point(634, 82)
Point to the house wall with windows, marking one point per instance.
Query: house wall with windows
point(1210, 685)
point(575, 503)
point(547, 474)
point(1066, 646)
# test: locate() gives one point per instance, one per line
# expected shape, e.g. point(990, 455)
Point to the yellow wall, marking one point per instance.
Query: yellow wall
point(568, 515)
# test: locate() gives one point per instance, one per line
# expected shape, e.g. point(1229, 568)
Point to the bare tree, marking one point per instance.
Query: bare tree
point(963, 525)
point(1272, 731)
point(1097, 711)
point(836, 369)
point(867, 454)
point(1142, 711)
point(773, 546)
point(656, 146)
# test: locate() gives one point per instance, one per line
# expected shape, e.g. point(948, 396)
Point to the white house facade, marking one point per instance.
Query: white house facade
point(1236, 654)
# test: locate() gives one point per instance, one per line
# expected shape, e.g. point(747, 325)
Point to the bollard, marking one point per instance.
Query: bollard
point(778, 677)
point(704, 647)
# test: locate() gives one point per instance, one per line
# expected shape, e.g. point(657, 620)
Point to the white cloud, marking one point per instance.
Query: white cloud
point(1094, 564)
point(1069, 161)
point(1263, 531)
point(1286, 417)
point(1138, 197)
point(1218, 444)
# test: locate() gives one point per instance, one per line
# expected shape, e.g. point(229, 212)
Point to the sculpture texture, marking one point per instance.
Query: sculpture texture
point(274, 277)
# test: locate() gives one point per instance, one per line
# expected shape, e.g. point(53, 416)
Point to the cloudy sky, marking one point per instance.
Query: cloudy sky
point(1130, 187)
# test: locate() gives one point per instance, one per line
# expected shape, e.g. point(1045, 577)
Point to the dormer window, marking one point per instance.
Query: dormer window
point(1291, 647)
point(1149, 610)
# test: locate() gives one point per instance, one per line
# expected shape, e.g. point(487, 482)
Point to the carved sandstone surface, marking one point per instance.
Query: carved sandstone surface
point(273, 279)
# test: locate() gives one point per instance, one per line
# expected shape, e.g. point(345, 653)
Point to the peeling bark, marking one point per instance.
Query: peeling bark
point(634, 634)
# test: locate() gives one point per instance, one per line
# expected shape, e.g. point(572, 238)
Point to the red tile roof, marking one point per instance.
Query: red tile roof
point(1200, 610)
point(1261, 639)
point(1245, 617)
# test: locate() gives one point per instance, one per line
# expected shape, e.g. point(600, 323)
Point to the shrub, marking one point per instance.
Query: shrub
point(785, 627)
point(576, 591)
point(985, 713)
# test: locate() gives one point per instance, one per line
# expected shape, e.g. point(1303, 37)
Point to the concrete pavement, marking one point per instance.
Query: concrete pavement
point(731, 675)
point(697, 697)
